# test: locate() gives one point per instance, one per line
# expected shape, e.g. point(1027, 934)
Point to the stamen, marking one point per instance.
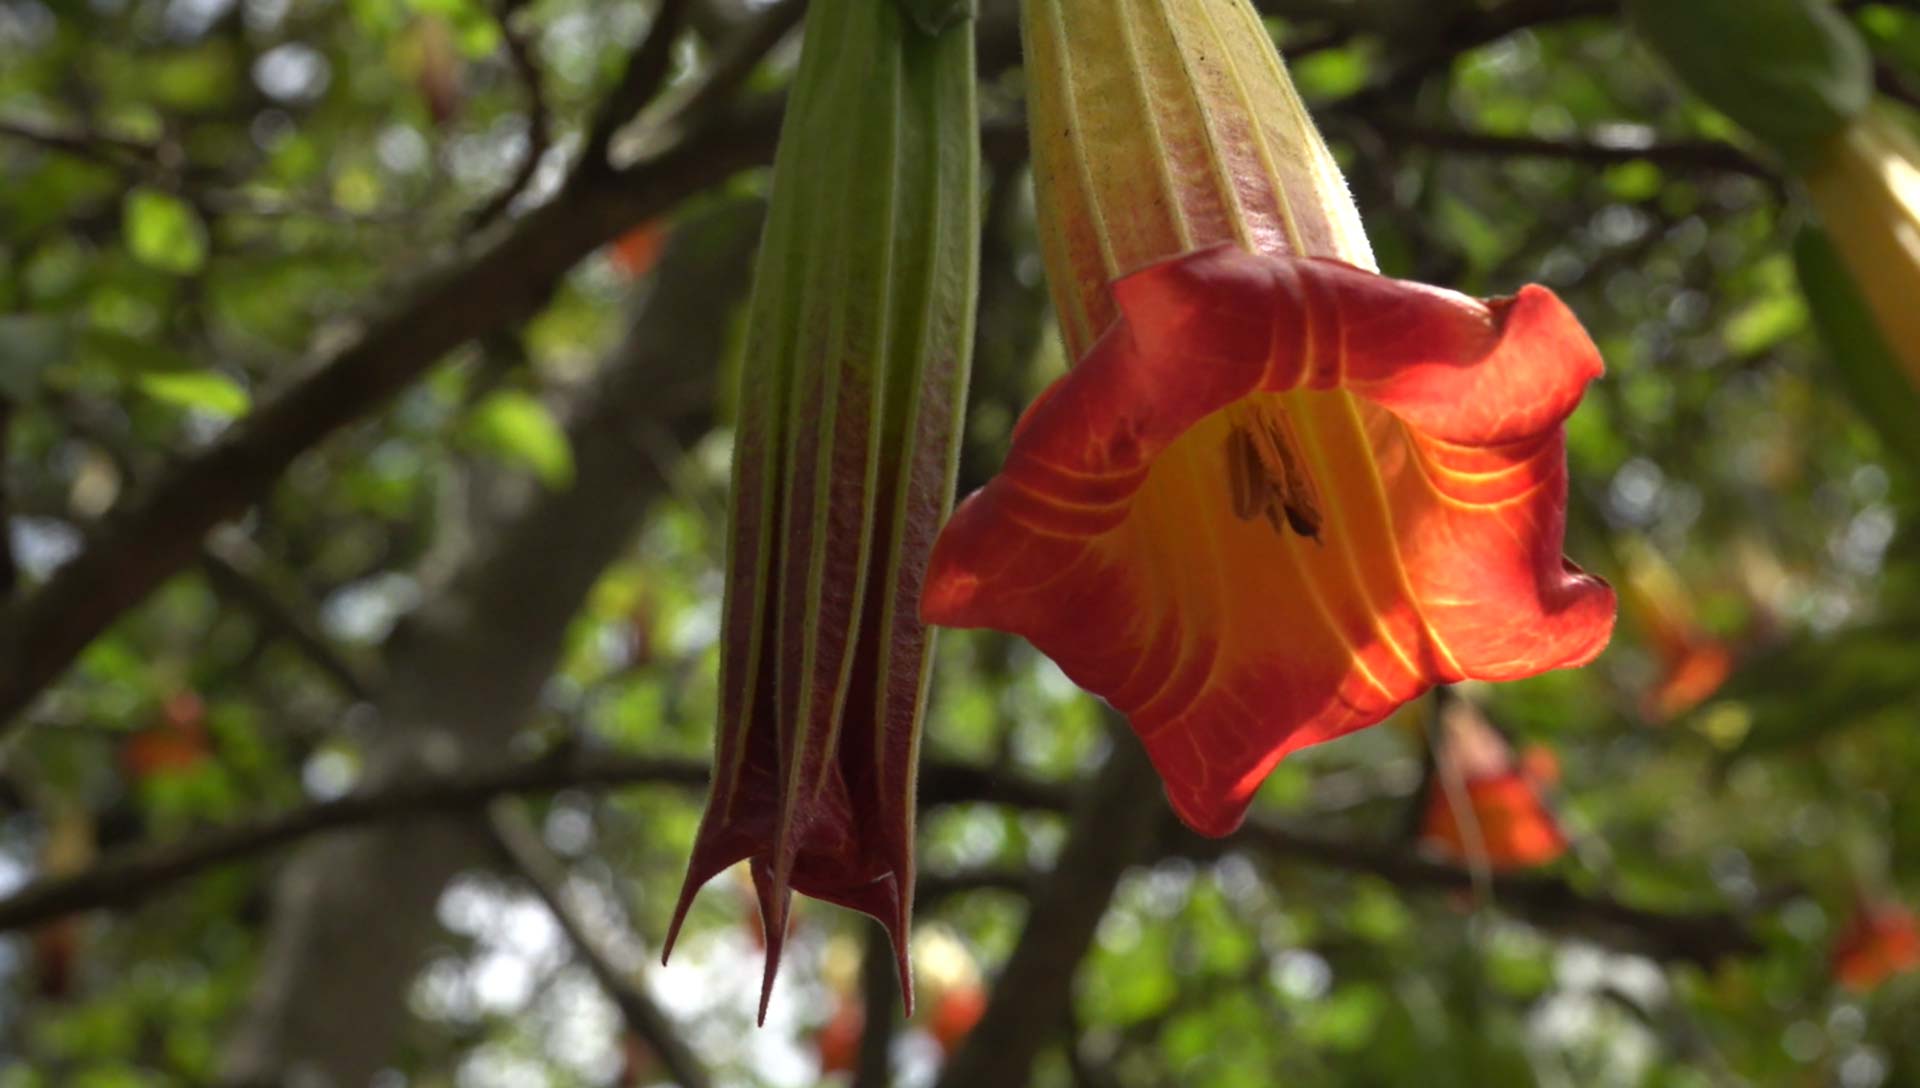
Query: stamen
point(1267, 474)
point(1244, 481)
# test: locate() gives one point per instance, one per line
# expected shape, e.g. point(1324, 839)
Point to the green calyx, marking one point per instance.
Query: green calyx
point(1791, 72)
point(852, 395)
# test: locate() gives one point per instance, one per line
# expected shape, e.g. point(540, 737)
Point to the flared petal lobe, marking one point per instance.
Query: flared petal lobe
point(1432, 426)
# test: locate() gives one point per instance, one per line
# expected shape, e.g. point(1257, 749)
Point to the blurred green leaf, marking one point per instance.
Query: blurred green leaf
point(1633, 182)
point(518, 428)
point(197, 78)
point(162, 231)
point(1332, 72)
point(201, 390)
point(1765, 323)
point(1346, 1020)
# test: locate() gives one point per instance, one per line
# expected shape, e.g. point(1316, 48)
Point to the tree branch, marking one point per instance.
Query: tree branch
point(521, 845)
point(9, 571)
point(124, 880)
point(1114, 826)
point(1550, 903)
point(1893, 83)
point(234, 575)
point(111, 151)
point(353, 914)
point(935, 888)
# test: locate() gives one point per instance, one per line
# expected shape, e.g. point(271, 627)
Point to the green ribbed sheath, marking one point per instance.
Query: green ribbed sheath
point(852, 393)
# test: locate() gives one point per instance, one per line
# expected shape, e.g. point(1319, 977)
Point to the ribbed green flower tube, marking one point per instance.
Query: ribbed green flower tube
point(1161, 127)
point(851, 398)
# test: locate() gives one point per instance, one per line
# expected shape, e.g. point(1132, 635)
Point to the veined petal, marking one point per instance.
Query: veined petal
point(1432, 423)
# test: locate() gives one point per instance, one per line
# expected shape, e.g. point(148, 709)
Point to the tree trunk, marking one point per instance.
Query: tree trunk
point(354, 914)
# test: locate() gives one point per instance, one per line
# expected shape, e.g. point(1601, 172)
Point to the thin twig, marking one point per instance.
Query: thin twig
point(235, 574)
point(1112, 830)
point(125, 879)
point(1895, 85)
point(547, 876)
point(646, 72)
point(880, 1010)
point(1548, 902)
point(114, 151)
point(526, 69)
point(933, 889)
point(735, 61)
point(1446, 774)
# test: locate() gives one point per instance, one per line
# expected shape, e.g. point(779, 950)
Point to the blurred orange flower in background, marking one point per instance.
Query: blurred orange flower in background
point(1694, 662)
point(1880, 941)
point(635, 252)
point(1509, 824)
point(177, 742)
point(838, 1040)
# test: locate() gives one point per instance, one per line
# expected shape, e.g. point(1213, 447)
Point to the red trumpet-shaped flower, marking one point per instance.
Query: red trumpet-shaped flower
point(1694, 663)
point(1278, 495)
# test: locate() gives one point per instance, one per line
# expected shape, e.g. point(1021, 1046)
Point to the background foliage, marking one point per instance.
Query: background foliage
point(341, 271)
